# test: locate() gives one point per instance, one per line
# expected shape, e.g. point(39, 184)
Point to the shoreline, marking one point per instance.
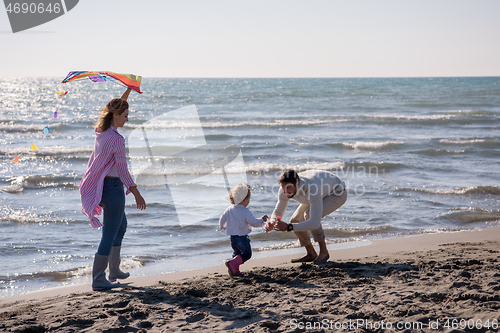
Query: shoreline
point(376, 248)
point(258, 256)
point(425, 283)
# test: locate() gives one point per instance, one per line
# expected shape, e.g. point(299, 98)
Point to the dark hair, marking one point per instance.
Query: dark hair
point(115, 106)
point(289, 176)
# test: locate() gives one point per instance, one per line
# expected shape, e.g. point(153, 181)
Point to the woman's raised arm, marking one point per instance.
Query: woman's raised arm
point(126, 93)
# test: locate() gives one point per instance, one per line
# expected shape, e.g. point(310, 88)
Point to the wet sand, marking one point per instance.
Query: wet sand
point(428, 283)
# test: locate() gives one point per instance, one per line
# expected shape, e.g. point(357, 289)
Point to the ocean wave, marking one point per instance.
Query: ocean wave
point(156, 176)
point(370, 167)
point(257, 167)
point(340, 168)
point(275, 123)
point(9, 214)
point(171, 124)
point(471, 215)
point(459, 141)
point(15, 188)
point(477, 142)
point(334, 236)
point(14, 127)
point(125, 264)
point(278, 246)
point(477, 209)
point(460, 117)
point(64, 275)
point(69, 152)
point(414, 119)
point(438, 152)
point(43, 181)
point(285, 245)
point(220, 136)
point(474, 113)
point(55, 276)
point(66, 152)
point(265, 167)
point(472, 190)
point(358, 232)
point(457, 117)
point(368, 145)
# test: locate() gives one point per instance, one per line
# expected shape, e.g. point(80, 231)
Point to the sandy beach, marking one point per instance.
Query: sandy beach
point(434, 282)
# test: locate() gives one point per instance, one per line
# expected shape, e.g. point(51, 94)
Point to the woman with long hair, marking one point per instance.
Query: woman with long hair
point(102, 189)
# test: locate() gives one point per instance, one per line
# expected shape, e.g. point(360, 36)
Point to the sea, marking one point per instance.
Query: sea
point(418, 155)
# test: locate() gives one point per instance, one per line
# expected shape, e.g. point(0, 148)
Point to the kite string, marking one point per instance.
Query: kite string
point(47, 128)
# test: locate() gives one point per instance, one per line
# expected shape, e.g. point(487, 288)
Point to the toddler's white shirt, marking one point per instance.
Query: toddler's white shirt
point(239, 221)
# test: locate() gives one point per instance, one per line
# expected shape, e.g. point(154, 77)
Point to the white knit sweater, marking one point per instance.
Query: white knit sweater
point(313, 187)
point(238, 221)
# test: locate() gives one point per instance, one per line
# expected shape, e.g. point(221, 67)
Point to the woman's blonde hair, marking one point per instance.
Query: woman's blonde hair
point(115, 106)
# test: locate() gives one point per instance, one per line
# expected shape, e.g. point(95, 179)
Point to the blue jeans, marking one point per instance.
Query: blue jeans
point(241, 246)
point(115, 221)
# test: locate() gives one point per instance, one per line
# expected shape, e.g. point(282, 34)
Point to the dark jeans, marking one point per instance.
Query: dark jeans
point(115, 221)
point(241, 246)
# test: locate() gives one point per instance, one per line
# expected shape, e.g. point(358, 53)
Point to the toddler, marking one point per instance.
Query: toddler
point(238, 222)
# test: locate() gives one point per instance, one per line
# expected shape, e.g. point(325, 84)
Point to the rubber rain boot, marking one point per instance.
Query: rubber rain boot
point(114, 265)
point(99, 281)
point(233, 266)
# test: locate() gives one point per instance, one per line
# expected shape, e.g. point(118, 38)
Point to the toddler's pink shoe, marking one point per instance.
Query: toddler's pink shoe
point(233, 266)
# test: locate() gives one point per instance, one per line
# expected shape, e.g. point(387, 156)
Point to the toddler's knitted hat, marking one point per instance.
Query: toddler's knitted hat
point(239, 193)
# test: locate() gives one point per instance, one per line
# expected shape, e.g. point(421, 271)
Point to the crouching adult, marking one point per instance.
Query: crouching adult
point(319, 193)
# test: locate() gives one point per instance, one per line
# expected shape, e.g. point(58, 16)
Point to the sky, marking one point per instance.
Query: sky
point(271, 38)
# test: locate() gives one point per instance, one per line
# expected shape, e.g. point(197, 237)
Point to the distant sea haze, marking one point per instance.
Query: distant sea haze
point(418, 155)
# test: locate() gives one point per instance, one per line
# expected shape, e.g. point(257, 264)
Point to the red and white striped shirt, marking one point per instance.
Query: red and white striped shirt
point(109, 150)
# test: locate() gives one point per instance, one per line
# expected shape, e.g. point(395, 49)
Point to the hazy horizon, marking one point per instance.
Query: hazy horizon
point(261, 39)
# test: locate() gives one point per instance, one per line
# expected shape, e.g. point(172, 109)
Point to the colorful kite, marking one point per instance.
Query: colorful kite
point(128, 80)
point(61, 93)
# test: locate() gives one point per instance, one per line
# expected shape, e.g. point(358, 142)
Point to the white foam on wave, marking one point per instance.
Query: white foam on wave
point(461, 141)
point(83, 271)
point(163, 125)
point(371, 145)
point(412, 117)
point(438, 152)
point(15, 127)
point(20, 215)
point(15, 188)
point(471, 190)
point(47, 150)
point(476, 209)
point(125, 264)
point(279, 246)
point(340, 167)
point(478, 113)
point(471, 215)
point(268, 166)
point(257, 167)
